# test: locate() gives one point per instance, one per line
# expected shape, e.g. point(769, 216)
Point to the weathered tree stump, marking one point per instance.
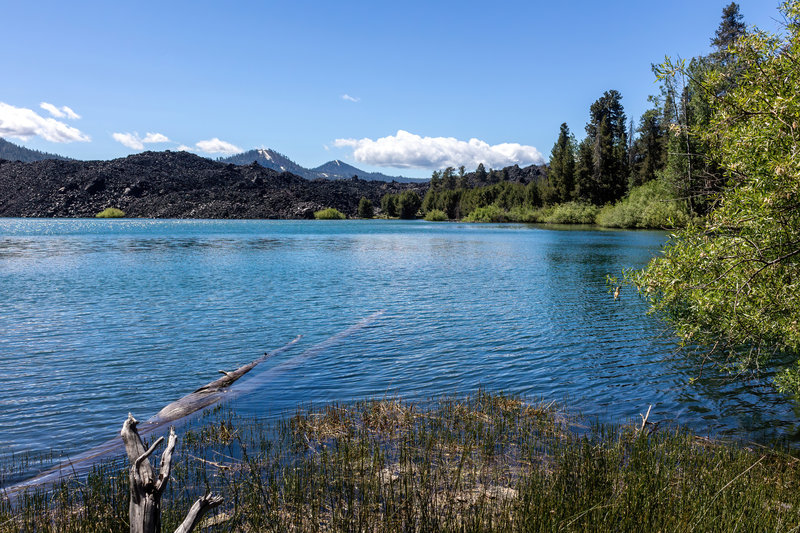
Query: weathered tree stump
point(146, 489)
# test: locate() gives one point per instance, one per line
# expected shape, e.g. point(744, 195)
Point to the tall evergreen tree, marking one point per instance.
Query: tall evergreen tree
point(449, 178)
point(365, 209)
point(731, 28)
point(584, 166)
point(436, 180)
point(606, 130)
point(562, 165)
point(408, 203)
point(480, 174)
point(696, 176)
point(462, 182)
point(648, 151)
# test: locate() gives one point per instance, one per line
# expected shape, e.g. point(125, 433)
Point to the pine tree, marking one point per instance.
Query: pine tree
point(648, 151)
point(449, 179)
point(389, 205)
point(408, 203)
point(584, 165)
point(562, 166)
point(480, 174)
point(365, 209)
point(461, 182)
point(606, 130)
point(731, 28)
point(436, 180)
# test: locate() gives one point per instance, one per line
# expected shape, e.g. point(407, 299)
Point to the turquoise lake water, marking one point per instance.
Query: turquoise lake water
point(102, 317)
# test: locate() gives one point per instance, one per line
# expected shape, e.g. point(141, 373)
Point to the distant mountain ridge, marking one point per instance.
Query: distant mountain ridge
point(267, 158)
point(13, 152)
point(332, 170)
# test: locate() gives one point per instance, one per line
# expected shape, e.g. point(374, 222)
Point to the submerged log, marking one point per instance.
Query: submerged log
point(146, 488)
point(211, 392)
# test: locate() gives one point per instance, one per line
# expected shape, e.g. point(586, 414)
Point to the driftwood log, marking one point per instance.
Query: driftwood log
point(146, 488)
point(213, 392)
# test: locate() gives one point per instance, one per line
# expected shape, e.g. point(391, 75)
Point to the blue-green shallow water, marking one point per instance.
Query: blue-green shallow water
point(102, 317)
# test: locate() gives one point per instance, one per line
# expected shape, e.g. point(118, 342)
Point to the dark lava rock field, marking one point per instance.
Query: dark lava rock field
point(176, 185)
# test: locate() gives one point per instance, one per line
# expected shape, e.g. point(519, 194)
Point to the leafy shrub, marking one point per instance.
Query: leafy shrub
point(572, 213)
point(435, 215)
point(111, 212)
point(523, 214)
point(329, 214)
point(652, 205)
point(490, 213)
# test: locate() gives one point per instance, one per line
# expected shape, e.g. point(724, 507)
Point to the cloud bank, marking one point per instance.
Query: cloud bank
point(134, 142)
point(407, 150)
point(217, 146)
point(23, 123)
point(63, 112)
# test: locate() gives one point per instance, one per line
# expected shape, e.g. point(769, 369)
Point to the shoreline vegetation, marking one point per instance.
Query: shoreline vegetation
point(648, 206)
point(482, 462)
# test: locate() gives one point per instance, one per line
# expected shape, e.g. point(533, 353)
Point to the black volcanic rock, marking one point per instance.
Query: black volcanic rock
point(175, 185)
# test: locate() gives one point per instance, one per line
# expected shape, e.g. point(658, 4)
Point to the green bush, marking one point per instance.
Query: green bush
point(490, 213)
point(525, 214)
point(572, 213)
point(329, 214)
point(111, 212)
point(652, 205)
point(435, 215)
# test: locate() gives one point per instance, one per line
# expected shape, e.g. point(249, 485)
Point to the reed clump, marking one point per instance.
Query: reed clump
point(487, 462)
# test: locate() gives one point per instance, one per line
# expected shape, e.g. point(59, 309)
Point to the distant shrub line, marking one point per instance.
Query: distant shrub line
point(651, 205)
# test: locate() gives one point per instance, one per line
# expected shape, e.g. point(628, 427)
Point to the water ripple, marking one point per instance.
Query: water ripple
point(99, 318)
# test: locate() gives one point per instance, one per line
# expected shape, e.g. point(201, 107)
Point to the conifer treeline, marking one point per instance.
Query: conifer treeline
point(615, 157)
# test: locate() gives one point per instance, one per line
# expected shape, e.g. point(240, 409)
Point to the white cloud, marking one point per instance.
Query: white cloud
point(23, 123)
point(131, 140)
point(70, 113)
point(350, 98)
point(63, 112)
point(53, 110)
point(407, 150)
point(184, 148)
point(155, 138)
point(217, 146)
point(134, 142)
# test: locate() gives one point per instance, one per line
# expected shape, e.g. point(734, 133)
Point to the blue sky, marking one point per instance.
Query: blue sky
point(326, 80)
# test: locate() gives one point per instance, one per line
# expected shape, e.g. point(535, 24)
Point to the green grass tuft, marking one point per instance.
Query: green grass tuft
point(111, 212)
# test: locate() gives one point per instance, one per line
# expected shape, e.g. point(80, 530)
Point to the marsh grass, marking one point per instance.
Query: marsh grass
point(485, 462)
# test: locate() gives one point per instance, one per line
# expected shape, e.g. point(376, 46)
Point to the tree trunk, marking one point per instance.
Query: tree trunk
point(146, 488)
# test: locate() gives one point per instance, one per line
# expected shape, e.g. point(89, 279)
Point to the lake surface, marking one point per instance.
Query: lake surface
point(102, 317)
